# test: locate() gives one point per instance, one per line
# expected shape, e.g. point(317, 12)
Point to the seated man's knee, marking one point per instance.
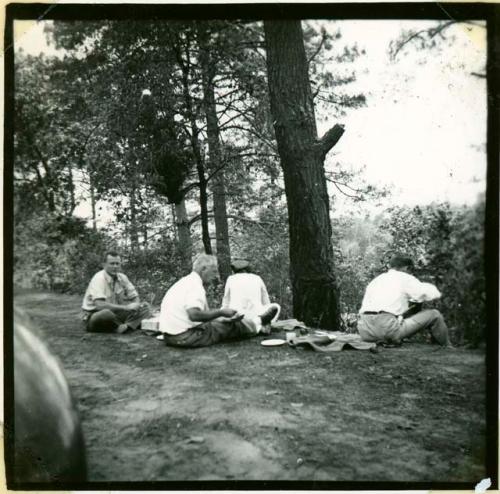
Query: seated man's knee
point(435, 314)
point(101, 322)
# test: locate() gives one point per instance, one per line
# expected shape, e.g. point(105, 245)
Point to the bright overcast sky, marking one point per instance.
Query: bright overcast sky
point(423, 130)
point(424, 126)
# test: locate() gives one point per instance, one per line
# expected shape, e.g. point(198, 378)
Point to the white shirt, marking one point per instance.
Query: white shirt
point(115, 290)
point(391, 292)
point(247, 293)
point(187, 293)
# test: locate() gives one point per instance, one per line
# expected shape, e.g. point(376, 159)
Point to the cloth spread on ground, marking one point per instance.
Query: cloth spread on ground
point(334, 341)
point(287, 325)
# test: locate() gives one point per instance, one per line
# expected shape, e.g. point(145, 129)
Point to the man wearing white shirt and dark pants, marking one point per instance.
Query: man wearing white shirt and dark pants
point(187, 321)
point(387, 298)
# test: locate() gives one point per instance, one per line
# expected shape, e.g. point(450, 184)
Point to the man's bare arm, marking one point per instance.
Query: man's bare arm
point(102, 304)
point(199, 315)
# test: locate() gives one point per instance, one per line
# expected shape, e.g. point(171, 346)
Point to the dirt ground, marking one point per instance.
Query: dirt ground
point(241, 411)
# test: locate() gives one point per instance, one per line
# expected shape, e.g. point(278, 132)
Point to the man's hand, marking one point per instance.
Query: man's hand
point(227, 313)
point(133, 306)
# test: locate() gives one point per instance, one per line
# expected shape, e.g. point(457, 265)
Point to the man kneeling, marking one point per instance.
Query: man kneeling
point(385, 314)
point(111, 303)
point(187, 321)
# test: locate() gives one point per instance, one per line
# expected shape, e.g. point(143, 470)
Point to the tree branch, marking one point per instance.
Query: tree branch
point(341, 191)
point(421, 34)
point(318, 49)
point(221, 167)
point(254, 222)
point(330, 138)
point(189, 187)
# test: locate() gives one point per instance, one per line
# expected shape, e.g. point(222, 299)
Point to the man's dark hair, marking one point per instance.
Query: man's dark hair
point(111, 253)
point(400, 261)
point(240, 270)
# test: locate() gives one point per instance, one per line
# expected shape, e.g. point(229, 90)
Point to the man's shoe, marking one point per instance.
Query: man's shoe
point(122, 328)
point(269, 314)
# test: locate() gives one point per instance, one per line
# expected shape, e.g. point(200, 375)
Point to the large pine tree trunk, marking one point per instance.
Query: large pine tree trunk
point(218, 183)
point(315, 297)
point(183, 235)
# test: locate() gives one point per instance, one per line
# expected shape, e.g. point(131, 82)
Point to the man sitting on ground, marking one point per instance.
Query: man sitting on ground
point(111, 303)
point(187, 321)
point(246, 292)
point(383, 313)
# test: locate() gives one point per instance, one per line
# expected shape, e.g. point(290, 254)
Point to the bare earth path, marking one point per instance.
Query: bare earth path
point(241, 411)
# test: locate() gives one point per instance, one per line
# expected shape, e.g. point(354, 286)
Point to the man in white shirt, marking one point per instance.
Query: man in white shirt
point(187, 321)
point(387, 299)
point(111, 303)
point(246, 292)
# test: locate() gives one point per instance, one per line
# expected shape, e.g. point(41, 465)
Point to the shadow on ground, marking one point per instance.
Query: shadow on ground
point(242, 411)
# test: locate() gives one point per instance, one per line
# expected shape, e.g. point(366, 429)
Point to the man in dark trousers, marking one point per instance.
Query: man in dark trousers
point(111, 303)
point(187, 321)
point(384, 313)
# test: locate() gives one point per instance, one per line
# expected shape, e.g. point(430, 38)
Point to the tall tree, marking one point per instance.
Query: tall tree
point(315, 297)
point(208, 68)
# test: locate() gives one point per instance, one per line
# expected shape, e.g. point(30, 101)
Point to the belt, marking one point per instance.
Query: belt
point(371, 313)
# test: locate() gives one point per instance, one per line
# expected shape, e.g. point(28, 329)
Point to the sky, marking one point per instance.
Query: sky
point(422, 133)
point(423, 130)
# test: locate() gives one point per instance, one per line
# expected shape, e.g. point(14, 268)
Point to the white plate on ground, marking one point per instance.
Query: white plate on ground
point(273, 342)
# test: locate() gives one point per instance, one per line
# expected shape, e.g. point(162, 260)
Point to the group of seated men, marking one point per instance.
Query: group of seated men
point(111, 304)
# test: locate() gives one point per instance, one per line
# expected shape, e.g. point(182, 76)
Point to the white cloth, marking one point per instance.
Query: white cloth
point(391, 292)
point(187, 293)
point(246, 293)
point(115, 290)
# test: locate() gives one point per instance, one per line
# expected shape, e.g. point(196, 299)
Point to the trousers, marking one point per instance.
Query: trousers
point(385, 327)
point(106, 320)
point(210, 333)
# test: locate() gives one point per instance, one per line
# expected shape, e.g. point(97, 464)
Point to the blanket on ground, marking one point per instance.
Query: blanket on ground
point(333, 341)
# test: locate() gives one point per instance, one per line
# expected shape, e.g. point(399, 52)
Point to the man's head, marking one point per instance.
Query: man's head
point(206, 266)
point(112, 263)
point(401, 263)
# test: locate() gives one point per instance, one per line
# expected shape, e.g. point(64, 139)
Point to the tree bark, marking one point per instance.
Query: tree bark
point(314, 287)
point(184, 242)
point(218, 181)
point(134, 233)
point(71, 186)
point(92, 201)
point(174, 217)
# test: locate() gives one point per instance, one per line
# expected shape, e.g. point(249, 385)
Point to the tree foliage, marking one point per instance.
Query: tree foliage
point(120, 121)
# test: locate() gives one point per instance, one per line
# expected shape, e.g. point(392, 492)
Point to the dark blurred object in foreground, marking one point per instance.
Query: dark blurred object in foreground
point(48, 440)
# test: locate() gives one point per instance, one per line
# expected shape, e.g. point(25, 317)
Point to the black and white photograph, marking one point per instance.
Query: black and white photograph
point(251, 246)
